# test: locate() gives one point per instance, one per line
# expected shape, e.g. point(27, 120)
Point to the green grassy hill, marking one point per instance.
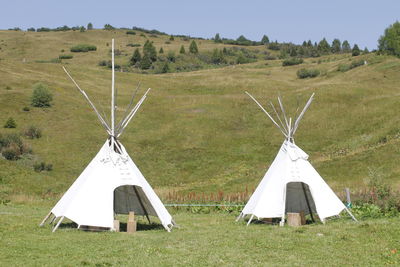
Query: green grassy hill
point(197, 131)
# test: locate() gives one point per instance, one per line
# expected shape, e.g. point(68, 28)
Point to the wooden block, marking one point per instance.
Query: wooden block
point(131, 227)
point(296, 219)
point(131, 216)
point(116, 225)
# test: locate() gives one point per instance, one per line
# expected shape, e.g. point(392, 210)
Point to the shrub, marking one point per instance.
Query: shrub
point(33, 132)
point(146, 62)
point(26, 108)
point(165, 68)
point(65, 56)
point(150, 50)
point(31, 29)
point(108, 27)
point(131, 32)
point(171, 56)
point(171, 38)
point(10, 123)
point(133, 45)
point(8, 87)
point(343, 67)
point(41, 96)
point(161, 51)
point(83, 48)
point(355, 64)
point(11, 153)
point(292, 61)
point(42, 166)
point(307, 73)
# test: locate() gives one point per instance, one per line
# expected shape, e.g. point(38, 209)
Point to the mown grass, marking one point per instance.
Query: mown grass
point(197, 131)
point(213, 239)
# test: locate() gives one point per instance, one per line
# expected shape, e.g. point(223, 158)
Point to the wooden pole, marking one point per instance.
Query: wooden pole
point(45, 218)
point(58, 224)
point(112, 88)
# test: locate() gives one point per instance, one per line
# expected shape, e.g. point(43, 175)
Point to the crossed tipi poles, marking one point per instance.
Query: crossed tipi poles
point(114, 130)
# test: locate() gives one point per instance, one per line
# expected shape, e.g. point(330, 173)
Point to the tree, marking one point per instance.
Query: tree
point(346, 47)
point(336, 46)
point(217, 39)
point(136, 57)
point(41, 96)
point(355, 51)
point(193, 48)
point(108, 27)
point(150, 50)
point(165, 68)
point(89, 26)
point(182, 50)
point(10, 123)
point(389, 42)
point(82, 29)
point(171, 38)
point(31, 29)
point(217, 56)
point(145, 63)
point(265, 40)
point(366, 51)
point(161, 51)
point(323, 46)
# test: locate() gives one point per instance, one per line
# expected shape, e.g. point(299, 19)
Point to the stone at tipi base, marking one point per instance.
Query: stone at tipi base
point(296, 219)
point(131, 225)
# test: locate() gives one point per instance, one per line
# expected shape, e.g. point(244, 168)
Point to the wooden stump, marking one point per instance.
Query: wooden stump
point(296, 219)
point(131, 225)
point(116, 225)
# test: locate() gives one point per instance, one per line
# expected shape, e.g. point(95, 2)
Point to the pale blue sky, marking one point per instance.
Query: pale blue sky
point(360, 22)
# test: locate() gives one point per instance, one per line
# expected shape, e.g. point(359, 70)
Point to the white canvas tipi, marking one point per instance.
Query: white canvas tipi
point(111, 184)
point(291, 184)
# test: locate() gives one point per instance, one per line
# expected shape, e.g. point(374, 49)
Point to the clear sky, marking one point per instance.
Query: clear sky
point(358, 21)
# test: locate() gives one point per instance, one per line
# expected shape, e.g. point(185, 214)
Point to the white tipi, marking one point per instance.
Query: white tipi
point(291, 184)
point(111, 184)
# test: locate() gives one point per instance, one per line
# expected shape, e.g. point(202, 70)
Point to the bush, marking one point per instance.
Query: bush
point(83, 48)
point(10, 123)
point(41, 96)
point(26, 108)
point(131, 32)
point(193, 48)
point(307, 73)
point(8, 87)
point(343, 67)
point(42, 166)
point(33, 132)
point(182, 50)
point(355, 51)
point(133, 45)
point(292, 61)
point(11, 153)
point(65, 56)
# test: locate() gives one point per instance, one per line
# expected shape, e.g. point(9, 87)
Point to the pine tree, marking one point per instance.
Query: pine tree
point(182, 51)
point(366, 51)
point(145, 63)
point(150, 50)
point(336, 46)
point(10, 123)
point(346, 47)
point(82, 29)
point(355, 51)
point(165, 68)
point(171, 38)
point(136, 57)
point(161, 51)
point(323, 46)
point(89, 26)
point(265, 40)
point(217, 39)
point(193, 48)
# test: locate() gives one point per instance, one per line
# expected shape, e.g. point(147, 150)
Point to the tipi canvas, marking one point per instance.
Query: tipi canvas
point(111, 184)
point(291, 184)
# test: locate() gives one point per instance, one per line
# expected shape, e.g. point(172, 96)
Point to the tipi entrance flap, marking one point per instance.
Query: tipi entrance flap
point(299, 198)
point(132, 198)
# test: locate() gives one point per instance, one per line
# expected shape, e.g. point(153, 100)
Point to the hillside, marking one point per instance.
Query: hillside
point(197, 131)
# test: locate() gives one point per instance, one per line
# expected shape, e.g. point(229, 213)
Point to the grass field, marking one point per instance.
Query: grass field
point(197, 131)
point(213, 239)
